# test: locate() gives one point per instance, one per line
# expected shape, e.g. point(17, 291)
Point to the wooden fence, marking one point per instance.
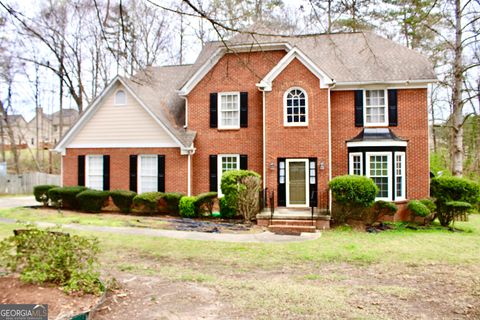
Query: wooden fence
point(24, 183)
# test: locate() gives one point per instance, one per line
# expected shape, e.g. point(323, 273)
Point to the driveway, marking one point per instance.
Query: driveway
point(17, 201)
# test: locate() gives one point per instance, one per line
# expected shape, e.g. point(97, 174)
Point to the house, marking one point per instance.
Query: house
point(299, 111)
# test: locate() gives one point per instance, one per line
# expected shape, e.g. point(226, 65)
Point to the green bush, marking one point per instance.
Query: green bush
point(41, 193)
point(380, 208)
point(231, 186)
point(52, 257)
point(430, 204)
point(187, 207)
point(123, 199)
point(205, 202)
point(172, 201)
point(92, 200)
point(226, 211)
point(352, 194)
point(148, 201)
point(65, 197)
point(452, 189)
point(418, 209)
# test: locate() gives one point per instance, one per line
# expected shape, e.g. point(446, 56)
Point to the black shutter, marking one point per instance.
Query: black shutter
point(243, 162)
point(358, 108)
point(213, 110)
point(213, 173)
point(133, 172)
point(161, 173)
point(392, 108)
point(282, 182)
point(313, 176)
point(244, 109)
point(106, 172)
point(81, 170)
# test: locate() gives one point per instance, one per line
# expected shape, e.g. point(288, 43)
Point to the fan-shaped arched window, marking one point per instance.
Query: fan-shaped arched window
point(120, 98)
point(295, 107)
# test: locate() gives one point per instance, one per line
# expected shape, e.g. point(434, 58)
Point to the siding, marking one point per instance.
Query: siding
point(113, 125)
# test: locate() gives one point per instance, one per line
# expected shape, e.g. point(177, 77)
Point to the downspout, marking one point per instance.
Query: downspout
point(330, 145)
point(189, 179)
point(264, 135)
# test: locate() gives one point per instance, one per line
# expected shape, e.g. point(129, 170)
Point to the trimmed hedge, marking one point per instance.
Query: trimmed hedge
point(418, 209)
point(187, 207)
point(380, 208)
point(205, 202)
point(172, 201)
point(41, 192)
point(123, 199)
point(148, 201)
point(92, 200)
point(65, 197)
point(430, 204)
point(226, 211)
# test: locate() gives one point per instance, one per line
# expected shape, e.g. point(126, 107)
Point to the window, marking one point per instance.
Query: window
point(226, 162)
point(375, 108)
point(147, 173)
point(229, 110)
point(120, 98)
point(356, 164)
point(399, 175)
point(94, 172)
point(295, 108)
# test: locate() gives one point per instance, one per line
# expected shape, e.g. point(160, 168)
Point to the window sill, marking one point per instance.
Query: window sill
point(376, 125)
point(229, 129)
point(300, 125)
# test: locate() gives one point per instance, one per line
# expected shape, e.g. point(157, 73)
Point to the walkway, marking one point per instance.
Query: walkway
point(17, 201)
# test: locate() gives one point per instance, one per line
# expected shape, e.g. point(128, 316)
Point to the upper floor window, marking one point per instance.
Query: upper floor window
point(120, 98)
point(295, 108)
point(375, 108)
point(229, 110)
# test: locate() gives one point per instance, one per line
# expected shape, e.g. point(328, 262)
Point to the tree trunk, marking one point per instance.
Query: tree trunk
point(11, 135)
point(456, 147)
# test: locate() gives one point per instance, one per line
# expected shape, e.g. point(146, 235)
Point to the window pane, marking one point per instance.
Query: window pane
point(95, 172)
point(296, 106)
point(148, 173)
point(375, 106)
point(229, 110)
point(379, 173)
point(120, 97)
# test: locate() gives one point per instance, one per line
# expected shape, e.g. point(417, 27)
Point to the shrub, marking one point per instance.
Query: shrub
point(226, 211)
point(453, 210)
point(430, 204)
point(92, 200)
point(380, 208)
point(148, 201)
point(123, 199)
point(187, 207)
point(65, 197)
point(241, 189)
point(418, 209)
point(52, 257)
point(41, 193)
point(205, 202)
point(172, 201)
point(452, 189)
point(352, 193)
point(230, 184)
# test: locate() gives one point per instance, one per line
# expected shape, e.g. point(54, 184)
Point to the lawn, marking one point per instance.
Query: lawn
point(400, 274)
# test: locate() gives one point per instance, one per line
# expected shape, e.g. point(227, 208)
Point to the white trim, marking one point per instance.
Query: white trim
point(189, 172)
point(266, 82)
point(351, 155)
point(307, 184)
point(385, 105)
point(115, 102)
point(139, 170)
point(404, 175)
point(264, 146)
point(219, 169)
point(294, 124)
point(329, 149)
point(379, 143)
point(382, 82)
point(219, 108)
point(123, 145)
point(87, 169)
point(389, 171)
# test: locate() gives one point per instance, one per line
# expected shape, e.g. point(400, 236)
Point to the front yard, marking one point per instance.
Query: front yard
point(399, 274)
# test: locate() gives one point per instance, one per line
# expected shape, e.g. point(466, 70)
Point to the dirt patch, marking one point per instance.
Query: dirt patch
point(151, 297)
point(59, 303)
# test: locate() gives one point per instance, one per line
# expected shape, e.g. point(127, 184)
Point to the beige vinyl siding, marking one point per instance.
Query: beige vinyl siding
point(117, 125)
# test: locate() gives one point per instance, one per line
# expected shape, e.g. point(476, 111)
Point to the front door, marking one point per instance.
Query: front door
point(297, 183)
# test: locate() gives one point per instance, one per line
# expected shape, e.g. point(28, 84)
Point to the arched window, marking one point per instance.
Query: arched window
point(295, 107)
point(120, 98)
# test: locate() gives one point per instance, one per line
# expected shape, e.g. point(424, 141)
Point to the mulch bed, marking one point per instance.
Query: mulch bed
point(60, 304)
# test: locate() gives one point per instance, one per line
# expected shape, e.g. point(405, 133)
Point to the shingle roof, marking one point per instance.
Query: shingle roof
point(375, 134)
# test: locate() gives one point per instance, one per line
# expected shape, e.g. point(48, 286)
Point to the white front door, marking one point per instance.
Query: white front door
point(297, 183)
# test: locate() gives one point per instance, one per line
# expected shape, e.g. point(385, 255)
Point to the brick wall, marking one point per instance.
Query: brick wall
point(175, 166)
point(234, 72)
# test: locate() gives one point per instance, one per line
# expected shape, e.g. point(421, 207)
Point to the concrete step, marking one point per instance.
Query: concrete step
point(293, 222)
point(290, 229)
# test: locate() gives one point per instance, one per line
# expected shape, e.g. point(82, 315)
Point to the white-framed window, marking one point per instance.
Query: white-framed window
point(226, 162)
point(379, 169)
point(356, 164)
point(399, 175)
point(295, 107)
point(120, 98)
point(94, 172)
point(229, 110)
point(147, 173)
point(375, 108)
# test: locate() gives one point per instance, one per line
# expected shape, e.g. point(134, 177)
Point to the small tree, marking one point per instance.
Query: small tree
point(241, 189)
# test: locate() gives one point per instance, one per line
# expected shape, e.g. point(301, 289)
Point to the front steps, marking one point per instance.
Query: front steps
point(293, 221)
point(292, 227)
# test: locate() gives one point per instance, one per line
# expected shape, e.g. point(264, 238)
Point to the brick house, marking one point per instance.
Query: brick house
point(299, 111)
